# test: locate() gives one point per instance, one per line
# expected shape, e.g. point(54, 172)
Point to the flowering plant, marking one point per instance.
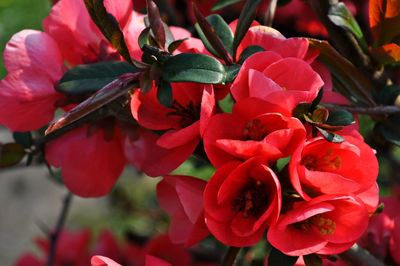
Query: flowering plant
point(276, 118)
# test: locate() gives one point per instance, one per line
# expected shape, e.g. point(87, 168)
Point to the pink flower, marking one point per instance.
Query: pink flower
point(322, 167)
point(27, 96)
point(182, 198)
point(241, 200)
point(90, 163)
point(327, 224)
point(103, 261)
point(254, 128)
point(284, 81)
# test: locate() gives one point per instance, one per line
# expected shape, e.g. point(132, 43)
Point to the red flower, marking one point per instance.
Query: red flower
point(327, 224)
point(162, 248)
point(182, 198)
point(186, 120)
point(241, 200)
point(90, 164)
point(27, 96)
point(255, 128)
point(322, 167)
point(103, 261)
point(277, 80)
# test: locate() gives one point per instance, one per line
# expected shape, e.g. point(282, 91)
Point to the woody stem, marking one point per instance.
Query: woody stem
point(230, 256)
point(356, 255)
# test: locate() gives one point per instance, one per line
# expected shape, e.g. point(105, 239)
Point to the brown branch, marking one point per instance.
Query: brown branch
point(55, 235)
point(376, 110)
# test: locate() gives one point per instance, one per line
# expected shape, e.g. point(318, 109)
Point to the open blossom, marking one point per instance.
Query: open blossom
point(241, 200)
point(286, 81)
point(322, 167)
point(327, 224)
point(27, 95)
point(184, 121)
point(254, 128)
point(182, 198)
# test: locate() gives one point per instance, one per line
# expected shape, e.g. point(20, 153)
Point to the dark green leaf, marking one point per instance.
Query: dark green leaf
point(249, 51)
point(278, 258)
point(226, 104)
point(379, 209)
point(390, 129)
point(216, 34)
point(340, 117)
point(11, 154)
point(164, 94)
point(189, 67)
point(312, 260)
point(283, 2)
point(329, 136)
point(246, 17)
point(231, 73)
point(317, 100)
point(175, 45)
point(92, 77)
point(224, 3)
point(388, 95)
point(342, 17)
point(145, 38)
point(109, 26)
point(23, 138)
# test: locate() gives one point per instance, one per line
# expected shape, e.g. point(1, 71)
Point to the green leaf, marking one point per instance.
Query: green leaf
point(23, 138)
point(92, 77)
point(11, 154)
point(390, 129)
point(340, 117)
point(164, 94)
point(329, 136)
point(189, 67)
point(156, 24)
point(341, 16)
point(109, 26)
point(145, 38)
point(278, 258)
point(317, 100)
point(224, 3)
point(249, 51)
point(246, 17)
point(312, 260)
point(216, 35)
point(231, 73)
point(175, 45)
point(388, 95)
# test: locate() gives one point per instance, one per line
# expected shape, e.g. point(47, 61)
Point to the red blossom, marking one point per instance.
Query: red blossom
point(327, 224)
point(241, 200)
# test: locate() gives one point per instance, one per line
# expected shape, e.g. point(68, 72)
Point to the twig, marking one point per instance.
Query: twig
point(376, 110)
point(357, 256)
point(270, 14)
point(230, 256)
point(54, 236)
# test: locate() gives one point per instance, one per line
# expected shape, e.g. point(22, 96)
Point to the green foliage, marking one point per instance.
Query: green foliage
point(224, 3)
point(11, 154)
point(278, 258)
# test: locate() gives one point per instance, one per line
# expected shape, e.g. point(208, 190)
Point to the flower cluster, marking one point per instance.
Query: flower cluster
point(287, 163)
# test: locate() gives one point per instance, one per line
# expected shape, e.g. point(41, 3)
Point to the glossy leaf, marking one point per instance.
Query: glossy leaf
point(384, 20)
point(92, 77)
point(390, 129)
point(249, 51)
point(216, 35)
point(175, 45)
point(342, 17)
point(164, 93)
point(224, 3)
point(11, 154)
point(312, 260)
point(246, 17)
point(109, 26)
point(329, 136)
point(353, 81)
point(278, 258)
point(193, 68)
point(388, 95)
point(340, 117)
point(23, 138)
point(231, 73)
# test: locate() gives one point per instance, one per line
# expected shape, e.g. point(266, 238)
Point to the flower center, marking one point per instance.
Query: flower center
point(255, 130)
point(188, 114)
point(324, 225)
point(252, 200)
point(328, 162)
